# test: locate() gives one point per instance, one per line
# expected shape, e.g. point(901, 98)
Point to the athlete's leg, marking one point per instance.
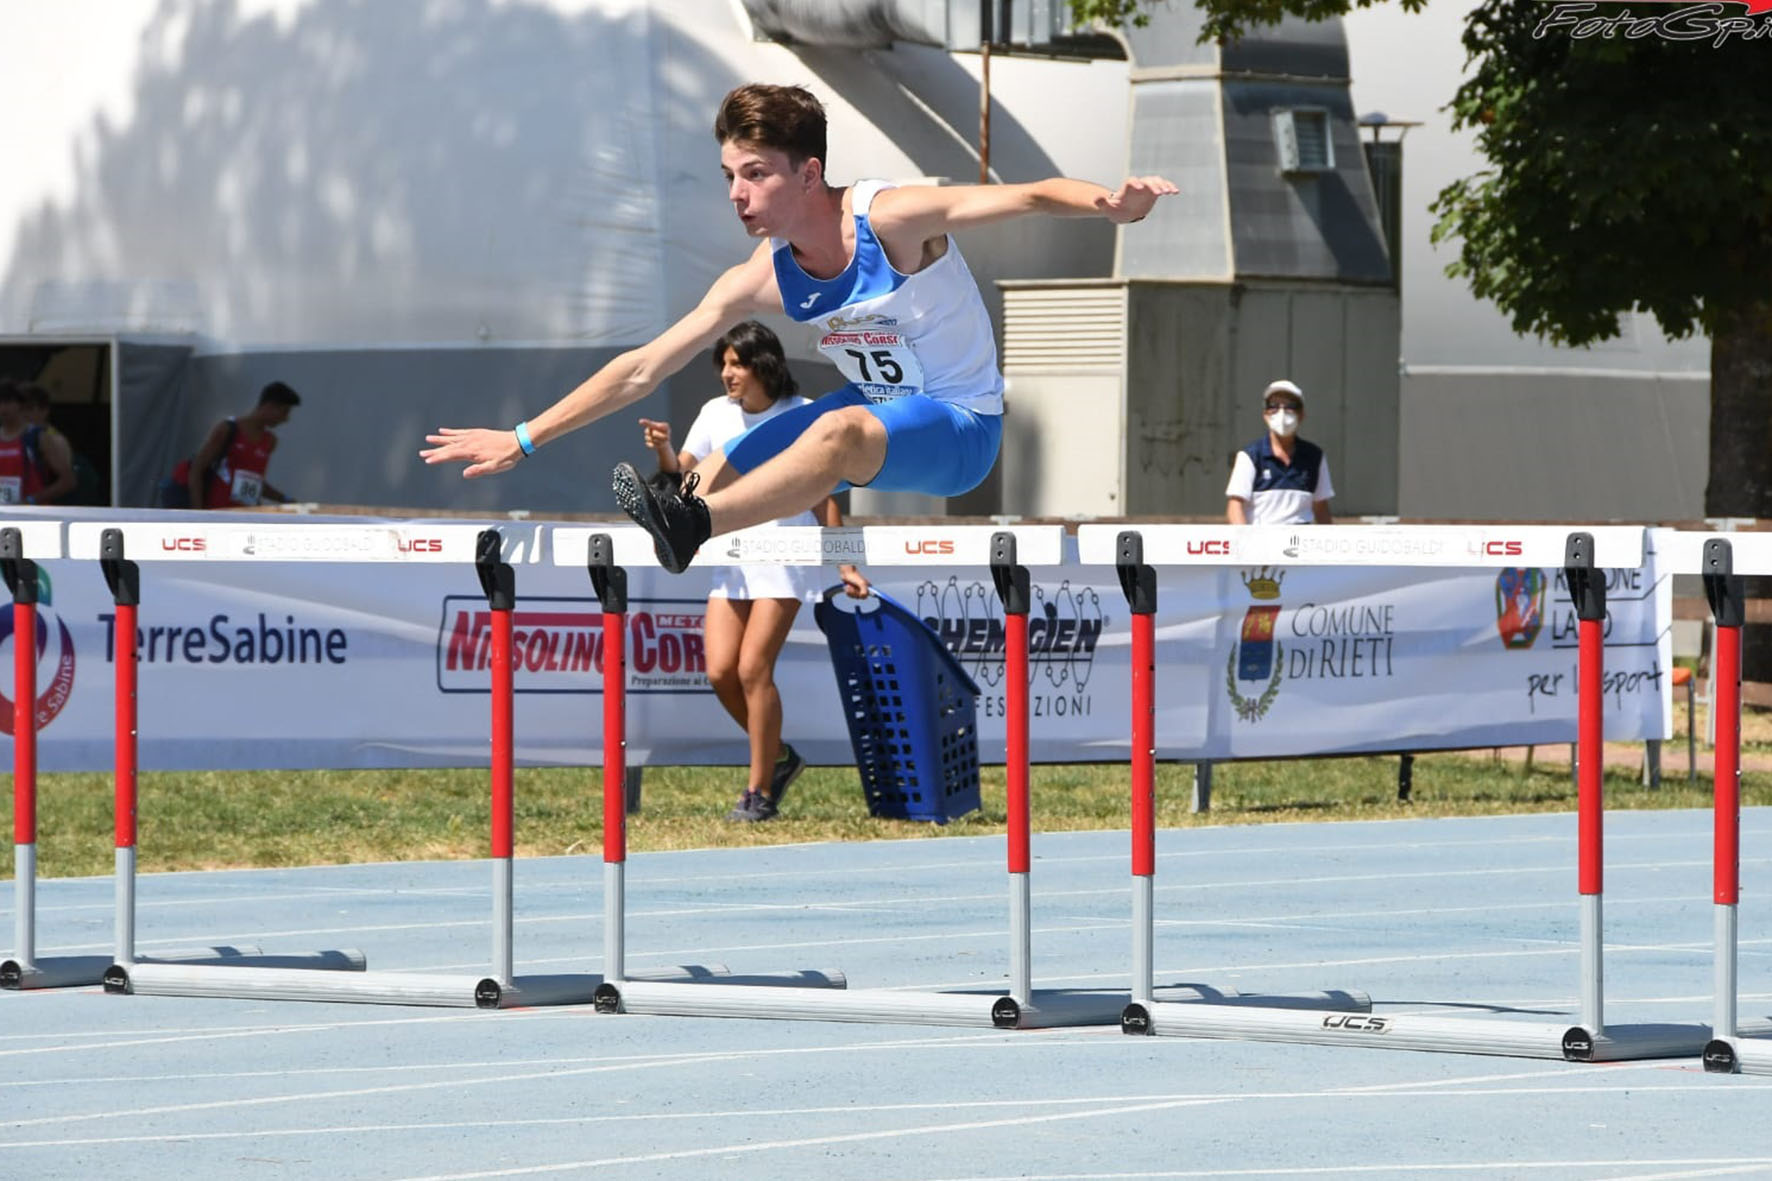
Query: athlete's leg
point(722, 630)
point(765, 632)
point(714, 472)
point(908, 444)
point(843, 445)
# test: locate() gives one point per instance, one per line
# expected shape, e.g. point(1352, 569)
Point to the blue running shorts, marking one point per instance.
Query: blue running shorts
point(932, 447)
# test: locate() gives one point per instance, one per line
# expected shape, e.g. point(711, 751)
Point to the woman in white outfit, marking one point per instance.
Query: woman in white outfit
point(750, 608)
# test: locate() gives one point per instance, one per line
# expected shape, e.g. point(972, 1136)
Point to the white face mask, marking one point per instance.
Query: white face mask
point(1282, 422)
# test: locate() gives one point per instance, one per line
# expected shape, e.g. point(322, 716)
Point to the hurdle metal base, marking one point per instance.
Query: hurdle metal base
point(1046, 1009)
point(78, 971)
point(1738, 1055)
point(1748, 1052)
point(375, 988)
point(1409, 1031)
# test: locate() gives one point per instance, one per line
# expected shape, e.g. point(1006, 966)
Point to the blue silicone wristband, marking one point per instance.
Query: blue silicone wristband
point(523, 439)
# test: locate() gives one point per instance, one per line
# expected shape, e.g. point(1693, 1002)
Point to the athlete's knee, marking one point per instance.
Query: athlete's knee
point(842, 430)
point(756, 674)
point(723, 675)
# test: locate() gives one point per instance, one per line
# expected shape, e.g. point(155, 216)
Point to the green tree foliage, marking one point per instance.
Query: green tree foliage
point(1226, 20)
point(1625, 174)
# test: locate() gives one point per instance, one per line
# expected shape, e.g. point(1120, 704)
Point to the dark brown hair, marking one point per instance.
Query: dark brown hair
point(759, 350)
point(786, 118)
point(279, 393)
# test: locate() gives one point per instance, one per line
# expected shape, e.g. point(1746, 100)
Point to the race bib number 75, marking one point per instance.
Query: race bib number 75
point(881, 363)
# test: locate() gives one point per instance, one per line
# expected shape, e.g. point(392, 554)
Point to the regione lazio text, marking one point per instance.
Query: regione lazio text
point(295, 665)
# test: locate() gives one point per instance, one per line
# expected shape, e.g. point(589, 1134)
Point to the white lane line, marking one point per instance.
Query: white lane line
point(407, 1068)
point(316, 893)
point(649, 1062)
point(1079, 1037)
point(1118, 1110)
point(157, 1036)
point(967, 1042)
point(1734, 1171)
point(1745, 1164)
point(1095, 922)
point(1246, 968)
point(846, 1110)
point(914, 900)
point(216, 880)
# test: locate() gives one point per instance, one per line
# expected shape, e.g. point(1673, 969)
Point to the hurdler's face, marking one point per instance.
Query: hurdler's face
point(765, 189)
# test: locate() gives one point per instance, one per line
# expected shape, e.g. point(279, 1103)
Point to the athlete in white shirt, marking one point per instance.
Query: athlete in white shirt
point(750, 608)
point(923, 408)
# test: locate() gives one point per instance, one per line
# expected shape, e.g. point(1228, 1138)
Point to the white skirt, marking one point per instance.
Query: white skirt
point(763, 582)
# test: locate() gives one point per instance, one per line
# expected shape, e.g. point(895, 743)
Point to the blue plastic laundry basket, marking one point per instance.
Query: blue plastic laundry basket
point(910, 707)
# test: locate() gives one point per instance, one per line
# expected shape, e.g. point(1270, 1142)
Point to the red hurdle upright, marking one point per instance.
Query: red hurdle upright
point(1727, 1052)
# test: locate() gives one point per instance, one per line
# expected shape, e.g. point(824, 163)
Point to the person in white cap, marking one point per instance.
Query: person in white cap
point(1280, 479)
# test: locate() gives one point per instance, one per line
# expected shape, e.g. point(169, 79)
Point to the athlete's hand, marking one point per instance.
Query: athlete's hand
point(658, 437)
point(855, 583)
point(1133, 199)
point(485, 452)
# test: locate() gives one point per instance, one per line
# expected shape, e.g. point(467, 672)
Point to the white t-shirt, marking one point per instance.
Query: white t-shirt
point(722, 420)
point(1277, 506)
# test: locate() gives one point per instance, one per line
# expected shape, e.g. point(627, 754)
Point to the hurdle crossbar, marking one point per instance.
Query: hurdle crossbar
point(1583, 555)
point(293, 977)
point(1722, 560)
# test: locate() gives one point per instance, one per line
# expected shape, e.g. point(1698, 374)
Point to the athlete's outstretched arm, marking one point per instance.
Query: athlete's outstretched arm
point(929, 211)
point(740, 292)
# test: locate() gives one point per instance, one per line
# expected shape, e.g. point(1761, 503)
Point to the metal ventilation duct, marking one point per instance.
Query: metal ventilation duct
point(950, 24)
point(858, 24)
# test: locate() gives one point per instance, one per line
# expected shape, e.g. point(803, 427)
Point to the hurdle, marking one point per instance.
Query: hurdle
point(294, 978)
point(1722, 560)
point(1583, 555)
point(22, 545)
point(1007, 552)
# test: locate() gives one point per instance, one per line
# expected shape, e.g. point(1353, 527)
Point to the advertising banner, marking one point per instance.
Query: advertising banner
point(300, 664)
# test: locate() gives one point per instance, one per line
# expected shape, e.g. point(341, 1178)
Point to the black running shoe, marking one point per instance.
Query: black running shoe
point(787, 769)
point(742, 809)
point(678, 523)
point(761, 807)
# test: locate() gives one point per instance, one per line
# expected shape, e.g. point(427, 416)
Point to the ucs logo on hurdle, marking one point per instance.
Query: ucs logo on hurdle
point(52, 698)
point(1064, 628)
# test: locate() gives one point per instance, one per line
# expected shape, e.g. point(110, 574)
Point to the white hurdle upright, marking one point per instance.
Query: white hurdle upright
point(1721, 560)
point(1583, 555)
point(22, 545)
point(608, 552)
point(293, 978)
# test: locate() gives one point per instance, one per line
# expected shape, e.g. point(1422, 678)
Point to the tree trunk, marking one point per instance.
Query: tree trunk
point(1741, 448)
point(1741, 414)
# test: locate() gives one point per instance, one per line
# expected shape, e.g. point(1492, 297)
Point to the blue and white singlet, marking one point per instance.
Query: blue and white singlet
point(893, 334)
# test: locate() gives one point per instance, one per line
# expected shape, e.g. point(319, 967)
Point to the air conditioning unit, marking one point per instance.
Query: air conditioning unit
point(1301, 138)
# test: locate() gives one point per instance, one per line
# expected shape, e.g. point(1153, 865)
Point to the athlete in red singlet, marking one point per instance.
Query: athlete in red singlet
point(235, 458)
point(18, 477)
